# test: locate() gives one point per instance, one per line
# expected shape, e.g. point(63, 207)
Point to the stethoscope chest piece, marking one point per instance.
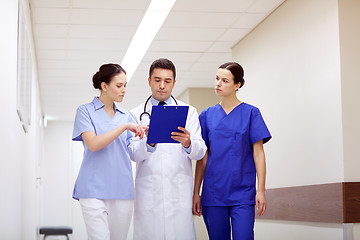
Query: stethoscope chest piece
point(145, 115)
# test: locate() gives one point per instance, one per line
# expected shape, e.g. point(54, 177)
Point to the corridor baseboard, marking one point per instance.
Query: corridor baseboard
point(328, 203)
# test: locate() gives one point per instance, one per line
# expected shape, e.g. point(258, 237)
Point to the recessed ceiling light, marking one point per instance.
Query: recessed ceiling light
point(153, 19)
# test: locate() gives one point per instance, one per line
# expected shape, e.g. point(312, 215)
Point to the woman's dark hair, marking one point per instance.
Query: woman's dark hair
point(105, 73)
point(164, 64)
point(236, 70)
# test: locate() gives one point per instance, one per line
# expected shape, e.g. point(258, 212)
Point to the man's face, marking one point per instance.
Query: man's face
point(161, 83)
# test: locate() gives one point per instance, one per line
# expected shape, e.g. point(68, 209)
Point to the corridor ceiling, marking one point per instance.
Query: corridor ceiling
point(74, 37)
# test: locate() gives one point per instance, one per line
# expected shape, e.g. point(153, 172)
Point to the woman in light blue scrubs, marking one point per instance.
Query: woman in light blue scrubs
point(234, 133)
point(104, 186)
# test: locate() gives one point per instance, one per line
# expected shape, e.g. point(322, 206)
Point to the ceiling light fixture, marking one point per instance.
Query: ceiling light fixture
point(153, 19)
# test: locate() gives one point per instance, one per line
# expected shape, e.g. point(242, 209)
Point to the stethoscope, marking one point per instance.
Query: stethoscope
point(146, 102)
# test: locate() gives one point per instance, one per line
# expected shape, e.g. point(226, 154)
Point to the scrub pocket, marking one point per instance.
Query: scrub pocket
point(240, 143)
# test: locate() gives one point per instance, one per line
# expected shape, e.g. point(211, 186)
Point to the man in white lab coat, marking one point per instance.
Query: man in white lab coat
point(164, 178)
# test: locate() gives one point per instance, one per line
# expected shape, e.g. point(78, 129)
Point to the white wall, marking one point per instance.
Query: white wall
point(274, 230)
point(62, 160)
point(61, 164)
point(10, 176)
point(57, 174)
point(292, 73)
point(20, 153)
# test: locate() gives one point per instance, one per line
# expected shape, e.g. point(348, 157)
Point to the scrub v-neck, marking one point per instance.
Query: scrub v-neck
point(227, 114)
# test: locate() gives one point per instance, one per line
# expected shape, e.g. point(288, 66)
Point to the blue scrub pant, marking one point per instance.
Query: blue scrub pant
point(217, 221)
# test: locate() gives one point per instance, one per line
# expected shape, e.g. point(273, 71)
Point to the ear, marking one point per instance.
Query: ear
point(149, 81)
point(104, 86)
point(237, 86)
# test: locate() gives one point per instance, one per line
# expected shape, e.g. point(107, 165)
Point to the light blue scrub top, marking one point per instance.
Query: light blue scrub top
point(106, 173)
point(230, 173)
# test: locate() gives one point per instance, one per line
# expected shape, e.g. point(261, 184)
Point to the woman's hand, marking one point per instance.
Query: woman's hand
point(146, 130)
point(96, 142)
point(136, 128)
point(260, 201)
point(197, 205)
point(199, 176)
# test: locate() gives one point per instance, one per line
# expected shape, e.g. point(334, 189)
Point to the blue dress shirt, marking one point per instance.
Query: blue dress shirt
point(106, 173)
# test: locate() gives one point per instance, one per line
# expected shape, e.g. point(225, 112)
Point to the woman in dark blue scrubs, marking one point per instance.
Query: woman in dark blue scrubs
point(234, 133)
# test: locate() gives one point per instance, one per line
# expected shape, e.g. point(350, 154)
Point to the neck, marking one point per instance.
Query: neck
point(230, 101)
point(109, 104)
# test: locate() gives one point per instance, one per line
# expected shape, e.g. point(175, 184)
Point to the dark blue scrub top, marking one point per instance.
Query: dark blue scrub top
point(230, 173)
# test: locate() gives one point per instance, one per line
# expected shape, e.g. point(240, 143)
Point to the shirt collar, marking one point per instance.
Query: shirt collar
point(155, 102)
point(98, 104)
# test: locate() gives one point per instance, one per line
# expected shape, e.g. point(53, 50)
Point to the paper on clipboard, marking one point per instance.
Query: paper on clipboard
point(164, 120)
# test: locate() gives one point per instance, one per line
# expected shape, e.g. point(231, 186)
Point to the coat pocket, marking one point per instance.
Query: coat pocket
point(185, 191)
point(144, 193)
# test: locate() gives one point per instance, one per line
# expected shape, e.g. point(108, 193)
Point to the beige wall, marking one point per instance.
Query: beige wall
point(200, 98)
point(301, 69)
point(349, 19)
point(307, 90)
point(293, 73)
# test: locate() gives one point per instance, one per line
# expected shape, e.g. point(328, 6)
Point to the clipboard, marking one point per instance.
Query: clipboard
point(164, 120)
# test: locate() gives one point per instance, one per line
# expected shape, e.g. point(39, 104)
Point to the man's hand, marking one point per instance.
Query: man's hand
point(182, 137)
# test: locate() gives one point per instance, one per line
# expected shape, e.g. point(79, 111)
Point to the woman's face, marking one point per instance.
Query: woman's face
point(224, 83)
point(116, 88)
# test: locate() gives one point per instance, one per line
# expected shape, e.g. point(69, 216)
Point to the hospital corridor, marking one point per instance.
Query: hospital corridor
point(300, 61)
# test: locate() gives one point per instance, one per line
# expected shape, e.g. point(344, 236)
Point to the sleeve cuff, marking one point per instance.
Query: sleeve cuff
point(187, 150)
point(150, 148)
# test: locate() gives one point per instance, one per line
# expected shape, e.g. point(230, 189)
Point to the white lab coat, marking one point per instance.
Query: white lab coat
point(164, 185)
